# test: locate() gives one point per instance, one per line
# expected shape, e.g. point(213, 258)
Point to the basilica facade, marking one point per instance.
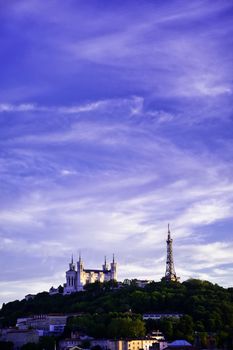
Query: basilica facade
point(76, 279)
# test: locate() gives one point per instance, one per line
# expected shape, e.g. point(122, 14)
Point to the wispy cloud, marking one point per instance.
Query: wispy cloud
point(111, 126)
point(27, 107)
point(6, 107)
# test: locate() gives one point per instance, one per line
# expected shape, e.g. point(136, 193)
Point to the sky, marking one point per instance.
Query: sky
point(115, 119)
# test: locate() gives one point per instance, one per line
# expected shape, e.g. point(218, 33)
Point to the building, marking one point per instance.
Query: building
point(179, 345)
point(157, 335)
point(137, 282)
point(29, 296)
point(20, 337)
point(159, 316)
point(77, 279)
point(170, 274)
point(51, 324)
point(143, 343)
point(53, 291)
point(109, 344)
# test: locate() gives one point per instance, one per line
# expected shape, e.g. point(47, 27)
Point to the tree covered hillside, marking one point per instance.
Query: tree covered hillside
point(207, 308)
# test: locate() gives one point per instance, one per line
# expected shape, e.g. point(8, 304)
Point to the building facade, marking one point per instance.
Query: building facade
point(157, 316)
point(76, 279)
point(20, 337)
point(52, 324)
point(109, 344)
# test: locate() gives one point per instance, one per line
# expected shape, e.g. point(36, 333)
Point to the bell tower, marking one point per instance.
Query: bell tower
point(80, 274)
point(105, 265)
point(71, 278)
point(113, 271)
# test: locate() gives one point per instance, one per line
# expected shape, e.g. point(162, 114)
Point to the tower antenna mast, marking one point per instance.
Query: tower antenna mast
point(170, 274)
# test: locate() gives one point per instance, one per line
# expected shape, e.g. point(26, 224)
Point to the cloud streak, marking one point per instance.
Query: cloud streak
point(110, 128)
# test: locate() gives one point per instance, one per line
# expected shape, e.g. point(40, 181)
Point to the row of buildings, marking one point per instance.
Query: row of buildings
point(129, 344)
point(30, 329)
point(155, 340)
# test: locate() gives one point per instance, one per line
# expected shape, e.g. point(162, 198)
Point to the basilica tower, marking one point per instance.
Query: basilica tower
point(170, 274)
point(71, 280)
point(80, 274)
point(113, 270)
point(105, 265)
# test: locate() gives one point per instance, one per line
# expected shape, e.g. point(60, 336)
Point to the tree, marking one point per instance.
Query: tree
point(85, 344)
point(6, 345)
point(47, 343)
point(208, 306)
point(30, 346)
point(168, 328)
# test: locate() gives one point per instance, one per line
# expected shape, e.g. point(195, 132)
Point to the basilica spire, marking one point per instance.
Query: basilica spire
point(72, 266)
point(113, 269)
point(105, 265)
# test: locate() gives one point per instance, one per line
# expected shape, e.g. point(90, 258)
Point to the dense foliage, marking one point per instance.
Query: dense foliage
point(6, 345)
point(112, 325)
point(45, 343)
point(107, 310)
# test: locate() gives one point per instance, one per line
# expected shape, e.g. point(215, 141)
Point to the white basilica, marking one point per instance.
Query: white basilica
point(76, 280)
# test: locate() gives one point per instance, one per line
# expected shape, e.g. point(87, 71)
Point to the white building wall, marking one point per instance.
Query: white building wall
point(76, 280)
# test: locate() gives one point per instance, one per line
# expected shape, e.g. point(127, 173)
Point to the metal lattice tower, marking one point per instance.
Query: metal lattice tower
point(170, 274)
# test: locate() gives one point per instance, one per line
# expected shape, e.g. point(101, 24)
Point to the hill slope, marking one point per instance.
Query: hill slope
point(206, 307)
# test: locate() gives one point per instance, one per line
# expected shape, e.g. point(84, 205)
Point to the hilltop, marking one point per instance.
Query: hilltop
point(206, 308)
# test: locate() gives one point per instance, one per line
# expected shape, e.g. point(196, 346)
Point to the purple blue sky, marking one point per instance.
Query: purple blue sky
point(115, 119)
